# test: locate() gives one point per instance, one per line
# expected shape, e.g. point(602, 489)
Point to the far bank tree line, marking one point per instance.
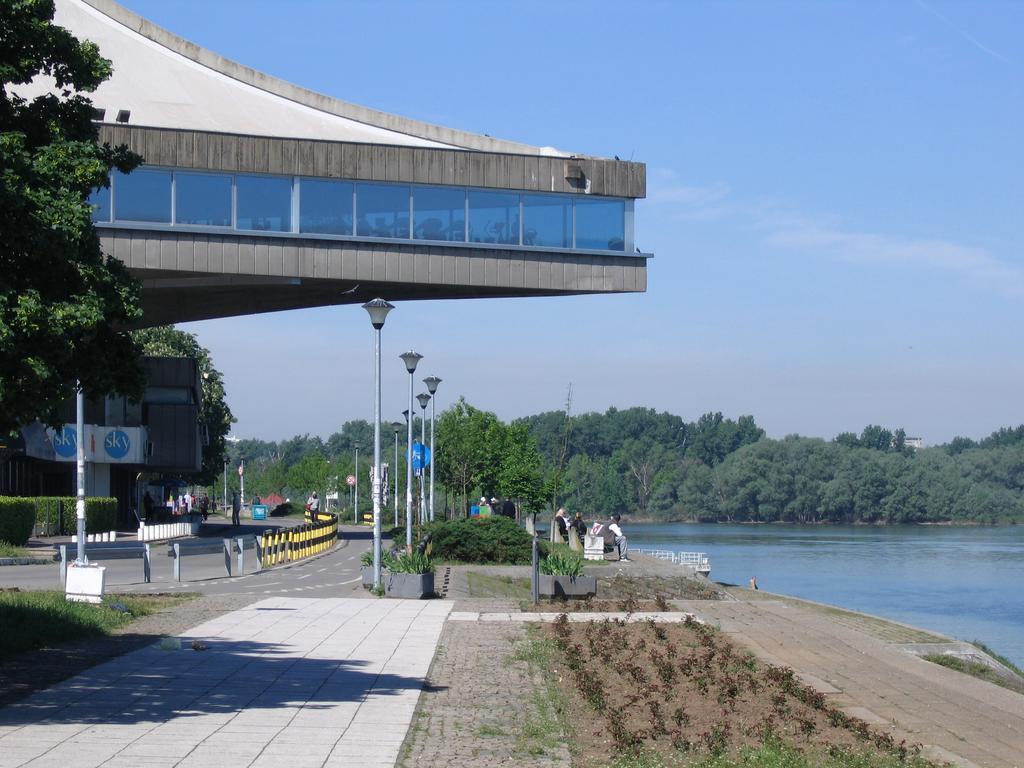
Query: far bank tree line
point(657, 466)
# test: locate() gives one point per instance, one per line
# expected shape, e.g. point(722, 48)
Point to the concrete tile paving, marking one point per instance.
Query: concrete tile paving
point(299, 681)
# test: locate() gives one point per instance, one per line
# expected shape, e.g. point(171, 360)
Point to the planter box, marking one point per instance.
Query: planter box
point(366, 571)
point(567, 586)
point(85, 583)
point(413, 586)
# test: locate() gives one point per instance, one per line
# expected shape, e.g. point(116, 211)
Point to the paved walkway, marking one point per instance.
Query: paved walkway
point(295, 681)
point(858, 663)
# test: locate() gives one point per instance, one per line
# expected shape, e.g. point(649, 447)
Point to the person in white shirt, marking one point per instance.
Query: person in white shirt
point(620, 538)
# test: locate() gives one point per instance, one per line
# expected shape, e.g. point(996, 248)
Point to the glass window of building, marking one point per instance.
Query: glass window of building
point(263, 203)
point(100, 202)
point(439, 213)
point(143, 195)
point(203, 199)
point(547, 221)
point(325, 207)
point(493, 217)
point(600, 224)
point(382, 210)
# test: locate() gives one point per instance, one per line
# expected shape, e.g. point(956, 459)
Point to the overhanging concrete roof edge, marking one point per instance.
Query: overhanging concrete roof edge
point(312, 99)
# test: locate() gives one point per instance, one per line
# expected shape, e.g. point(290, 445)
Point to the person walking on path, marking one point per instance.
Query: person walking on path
point(313, 506)
point(621, 545)
point(236, 509)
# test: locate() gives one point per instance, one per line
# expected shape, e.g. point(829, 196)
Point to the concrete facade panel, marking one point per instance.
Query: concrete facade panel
point(557, 277)
point(183, 257)
point(261, 258)
point(435, 268)
point(391, 267)
point(462, 270)
point(364, 264)
point(247, 258)
point(230, 257)
point(201, 255)
point(516, 272)
point(544, 270)
point(215, 261)
point(276, 267)
point(406, 268)
point(476, 272)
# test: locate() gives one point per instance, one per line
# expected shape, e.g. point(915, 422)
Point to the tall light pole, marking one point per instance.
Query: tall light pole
point(80, 474)
point(378, 310)
point(396, 426)
point(424, 398)
point(355, 488)
point(225, 486)
point(432, 382)
point(410, 359)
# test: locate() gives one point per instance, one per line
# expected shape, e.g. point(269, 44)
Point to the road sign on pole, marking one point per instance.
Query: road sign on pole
point(350, 480)
point(420, 457)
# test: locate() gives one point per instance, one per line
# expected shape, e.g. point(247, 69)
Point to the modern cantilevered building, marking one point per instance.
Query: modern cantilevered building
point(257, 195)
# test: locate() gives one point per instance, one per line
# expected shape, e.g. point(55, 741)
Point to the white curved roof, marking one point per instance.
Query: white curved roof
point(168, 82)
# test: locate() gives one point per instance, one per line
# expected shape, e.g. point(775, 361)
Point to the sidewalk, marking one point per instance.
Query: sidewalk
point(306, 682)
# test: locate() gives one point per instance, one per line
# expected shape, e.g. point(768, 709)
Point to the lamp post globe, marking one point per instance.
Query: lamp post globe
point(411, 359)
point(432, 383)
point(378, 310)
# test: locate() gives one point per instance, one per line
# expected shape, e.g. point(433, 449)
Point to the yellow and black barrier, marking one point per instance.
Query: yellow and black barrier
point(286, 545)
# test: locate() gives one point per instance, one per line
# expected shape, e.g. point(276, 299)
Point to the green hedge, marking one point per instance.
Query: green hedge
point(483, 540)
point(55, 515)
point(17, 518)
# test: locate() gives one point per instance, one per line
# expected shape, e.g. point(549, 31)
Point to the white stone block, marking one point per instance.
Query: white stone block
point(85, 583)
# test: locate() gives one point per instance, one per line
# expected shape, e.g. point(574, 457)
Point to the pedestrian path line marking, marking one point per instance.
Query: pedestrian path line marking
point(304, 577)
point(350, 581)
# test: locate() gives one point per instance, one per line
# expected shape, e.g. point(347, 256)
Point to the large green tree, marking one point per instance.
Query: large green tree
point(63, 305)
point(215, 417)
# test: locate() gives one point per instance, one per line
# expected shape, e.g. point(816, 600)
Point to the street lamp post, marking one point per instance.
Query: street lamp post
point(410, 359)
point(225, 485)
point(424, 398)
point(80, 474)
point(396, 426)
point(432, 382)
point(378, 310)
point(355, 488)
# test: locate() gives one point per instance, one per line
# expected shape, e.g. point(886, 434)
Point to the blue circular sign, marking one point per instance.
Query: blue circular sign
point(117, 444)
point(64, 442)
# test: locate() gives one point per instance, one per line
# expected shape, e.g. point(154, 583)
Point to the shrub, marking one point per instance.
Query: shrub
point(562, 563)
point(100, 514)
point(283, 510)
point(17, 518)
point(484, 540)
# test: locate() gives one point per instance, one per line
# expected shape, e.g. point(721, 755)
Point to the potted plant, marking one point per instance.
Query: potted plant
point(562, 576)
point(366, 566)
point(410, 575)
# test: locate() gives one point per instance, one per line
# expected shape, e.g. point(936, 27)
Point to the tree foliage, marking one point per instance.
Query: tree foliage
point(63, 306)
point(216, 417)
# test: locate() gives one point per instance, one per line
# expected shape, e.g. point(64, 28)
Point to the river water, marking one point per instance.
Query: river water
point(963, 582)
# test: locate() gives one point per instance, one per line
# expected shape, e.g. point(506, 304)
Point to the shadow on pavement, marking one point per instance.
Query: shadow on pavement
point(229, 676)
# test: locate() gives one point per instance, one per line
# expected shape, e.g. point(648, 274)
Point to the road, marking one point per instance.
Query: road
point(331, 574)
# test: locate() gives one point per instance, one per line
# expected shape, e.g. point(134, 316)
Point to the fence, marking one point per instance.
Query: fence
point(698, 561)
point(288, 544)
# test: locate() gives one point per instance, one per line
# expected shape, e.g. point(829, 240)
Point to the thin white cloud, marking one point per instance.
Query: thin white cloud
point(963, 33)
point(972, 262)
point(690, 201)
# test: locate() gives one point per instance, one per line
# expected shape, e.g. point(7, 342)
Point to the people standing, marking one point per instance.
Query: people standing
point(236, 508)
point(508, 509)
point(563, 526)
point(485, 508)
point(313, 506)
point(579, 525)
point(147, 505)
point(620, 542)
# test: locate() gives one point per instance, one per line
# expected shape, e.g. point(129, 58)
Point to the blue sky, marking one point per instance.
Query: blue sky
point(835, 198)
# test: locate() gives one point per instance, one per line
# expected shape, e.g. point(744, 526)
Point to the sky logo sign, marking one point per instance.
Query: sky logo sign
point(117, 444)
point(64, 442)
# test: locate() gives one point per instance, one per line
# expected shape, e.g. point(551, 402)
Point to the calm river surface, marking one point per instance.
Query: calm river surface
point(963, 582)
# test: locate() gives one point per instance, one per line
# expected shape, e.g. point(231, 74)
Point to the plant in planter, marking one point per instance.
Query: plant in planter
point(562, 576)
point(366, 566)
point(410, 575)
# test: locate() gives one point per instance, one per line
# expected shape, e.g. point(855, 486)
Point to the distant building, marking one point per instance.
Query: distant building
point(161, 434)
point(916, 443)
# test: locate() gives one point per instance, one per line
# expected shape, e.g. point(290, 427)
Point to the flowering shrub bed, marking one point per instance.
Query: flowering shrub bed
point(680, 694)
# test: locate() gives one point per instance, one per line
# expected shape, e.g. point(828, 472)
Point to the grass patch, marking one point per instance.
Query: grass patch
point(487, 730)
point(485, 585)
point(998, 657)
point(544, 720)
point(974, 669)
point(33, 620)
point(9, 550)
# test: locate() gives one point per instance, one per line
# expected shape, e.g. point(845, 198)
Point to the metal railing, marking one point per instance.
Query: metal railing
point(288, 544)
point(698, 561)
